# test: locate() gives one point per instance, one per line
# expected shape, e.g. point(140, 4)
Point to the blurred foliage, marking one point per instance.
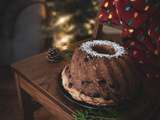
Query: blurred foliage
point(69, 21)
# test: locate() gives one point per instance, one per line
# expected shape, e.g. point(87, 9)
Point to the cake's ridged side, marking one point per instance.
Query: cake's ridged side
point(101, 78)
point(124, 67)
point(120, 91)
point(77, 95)
point(135, 82)
point(112, 83)
point(124, 83)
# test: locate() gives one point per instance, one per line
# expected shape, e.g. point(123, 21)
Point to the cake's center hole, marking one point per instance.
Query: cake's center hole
point(104, 49)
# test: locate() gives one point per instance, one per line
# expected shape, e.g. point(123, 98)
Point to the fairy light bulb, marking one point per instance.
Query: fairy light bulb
point(62, 41)
point(146, 8)
point(132, 43)
point(106, 4)
point(135, 14)
point(156, 52)
point(131, 30)
point(110, 16)
point(100, 16)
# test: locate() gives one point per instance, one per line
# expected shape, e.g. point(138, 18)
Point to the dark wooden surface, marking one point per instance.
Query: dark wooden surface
point(39, 79)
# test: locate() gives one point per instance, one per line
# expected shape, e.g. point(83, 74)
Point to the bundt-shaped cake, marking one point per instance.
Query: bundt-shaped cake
point(100, 73)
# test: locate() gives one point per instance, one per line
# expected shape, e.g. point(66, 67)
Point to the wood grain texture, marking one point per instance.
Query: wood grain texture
point(39, 79)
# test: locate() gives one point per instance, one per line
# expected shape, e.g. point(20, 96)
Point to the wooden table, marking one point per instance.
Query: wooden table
point(37, 84)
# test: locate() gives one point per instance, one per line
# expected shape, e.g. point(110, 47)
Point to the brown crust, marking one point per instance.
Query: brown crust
point(77, 95)
point(99, 81)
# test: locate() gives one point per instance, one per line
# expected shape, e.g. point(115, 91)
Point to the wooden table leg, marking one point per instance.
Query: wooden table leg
point(28, 109)
point(26, 104)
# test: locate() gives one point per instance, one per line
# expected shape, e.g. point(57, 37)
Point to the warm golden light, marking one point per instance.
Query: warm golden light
point(131, 30)
point(63, 20)
point(91, 21)
point(146, 8)
point(132, 43)
point(62, 41)
point(135, 14)
point(70, 28)
point(110, 16)
point(156, 52)
point(100, 16)
point(87, 25)
point(54, 13)
point(106, 4)
point(90, 31)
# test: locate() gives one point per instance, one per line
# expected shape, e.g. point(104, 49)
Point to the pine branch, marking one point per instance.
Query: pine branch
point(89, 114)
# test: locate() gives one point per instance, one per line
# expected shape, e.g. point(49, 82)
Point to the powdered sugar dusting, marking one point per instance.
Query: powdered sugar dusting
point(87, 47)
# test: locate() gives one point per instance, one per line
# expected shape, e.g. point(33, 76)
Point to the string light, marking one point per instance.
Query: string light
point(87, 25)
point(131, 30)
point(90, 31)
point(146, 8)
point(54, 13)
point(62, 41)
point(70, 28)
point(100, 16)
point(110, 16)
point(132, 43)
point(63, 19)
point(135, 14)
point(106, 4)
point(148, 75)
point(135, 52)
point(141, 62)
point(63, 28)
point(91, 21)
point(156, 52)
point(94, 3)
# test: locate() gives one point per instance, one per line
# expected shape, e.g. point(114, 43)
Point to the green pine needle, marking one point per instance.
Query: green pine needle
point(89, 114)
point(80, 115)
point(68, 54)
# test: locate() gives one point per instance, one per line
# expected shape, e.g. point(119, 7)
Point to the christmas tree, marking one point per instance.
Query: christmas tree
point(70, 21)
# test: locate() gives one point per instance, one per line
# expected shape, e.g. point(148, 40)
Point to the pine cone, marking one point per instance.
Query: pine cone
point(53, 55)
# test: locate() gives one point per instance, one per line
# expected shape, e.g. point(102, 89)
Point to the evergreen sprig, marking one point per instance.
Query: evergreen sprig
point(68, 54)
point(89, 114)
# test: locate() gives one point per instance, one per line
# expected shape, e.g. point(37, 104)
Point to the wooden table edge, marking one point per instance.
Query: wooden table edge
point(40, 89)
